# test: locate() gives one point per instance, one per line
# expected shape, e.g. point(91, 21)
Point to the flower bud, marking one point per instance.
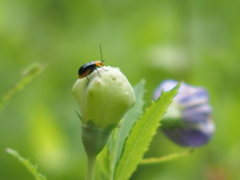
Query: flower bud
point(103, 97)
point(188, 121)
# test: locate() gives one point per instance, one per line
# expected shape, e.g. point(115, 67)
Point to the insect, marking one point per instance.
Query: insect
point(88, 68)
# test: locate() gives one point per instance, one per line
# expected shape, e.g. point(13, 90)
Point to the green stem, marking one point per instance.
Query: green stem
point(166, 158)
point(33, 70)
point(91, 162)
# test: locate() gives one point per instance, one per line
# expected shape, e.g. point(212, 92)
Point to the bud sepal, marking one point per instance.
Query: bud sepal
point(95, 138)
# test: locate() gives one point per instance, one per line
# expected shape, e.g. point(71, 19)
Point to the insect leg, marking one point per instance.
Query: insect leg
point(87, 78)
point(98, 72)
point(103, 69)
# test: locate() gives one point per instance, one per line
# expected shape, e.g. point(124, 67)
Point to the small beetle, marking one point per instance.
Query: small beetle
point(88, 68)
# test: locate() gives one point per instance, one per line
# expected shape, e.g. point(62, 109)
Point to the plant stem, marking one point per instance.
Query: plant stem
point(166, 158)
point(91, 161)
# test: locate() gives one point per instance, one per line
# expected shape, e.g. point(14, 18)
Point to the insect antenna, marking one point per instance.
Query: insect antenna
point(101, 53)
point(101, 58)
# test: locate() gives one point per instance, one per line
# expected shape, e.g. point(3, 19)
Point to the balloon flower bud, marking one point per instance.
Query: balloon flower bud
point(188, 121)
point(104, 97)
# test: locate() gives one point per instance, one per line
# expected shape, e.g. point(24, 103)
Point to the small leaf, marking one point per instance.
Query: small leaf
point(103, 162)
point(27, 164)
point(141, 135)
point(106, 157)
point(79, 115)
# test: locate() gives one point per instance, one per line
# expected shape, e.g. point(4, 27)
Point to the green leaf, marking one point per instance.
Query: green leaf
point(28, 75)
point(28, 164)
point(105, 157)
point(128, 121)
point(103, 162)
point(141, 135)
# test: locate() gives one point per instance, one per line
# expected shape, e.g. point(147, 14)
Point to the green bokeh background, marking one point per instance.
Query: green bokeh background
point(190, 40)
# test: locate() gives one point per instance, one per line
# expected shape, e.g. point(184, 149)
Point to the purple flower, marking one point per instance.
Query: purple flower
point(188, 121)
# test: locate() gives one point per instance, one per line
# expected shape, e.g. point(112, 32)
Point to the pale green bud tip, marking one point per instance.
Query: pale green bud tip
point(105, 98)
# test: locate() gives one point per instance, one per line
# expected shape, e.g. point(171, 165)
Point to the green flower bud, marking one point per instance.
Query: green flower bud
point(104, 97)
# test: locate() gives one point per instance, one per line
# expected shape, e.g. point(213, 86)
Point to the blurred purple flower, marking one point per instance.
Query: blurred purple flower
point(188, 121)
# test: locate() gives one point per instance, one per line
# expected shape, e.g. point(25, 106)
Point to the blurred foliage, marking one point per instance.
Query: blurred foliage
point(194, 41)
point(27, 163)
point(28, 75)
